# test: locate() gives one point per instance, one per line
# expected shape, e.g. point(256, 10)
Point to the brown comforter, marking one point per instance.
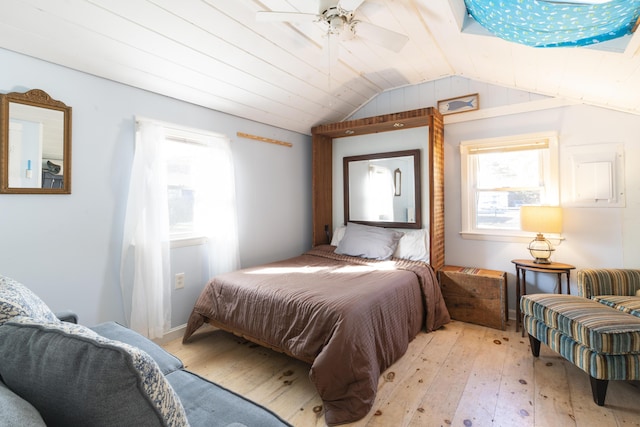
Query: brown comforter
point(351, 318)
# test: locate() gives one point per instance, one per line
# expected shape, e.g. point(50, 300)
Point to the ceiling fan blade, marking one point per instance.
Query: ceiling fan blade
point(350, 5)
point(266, 16)
point(381, 36)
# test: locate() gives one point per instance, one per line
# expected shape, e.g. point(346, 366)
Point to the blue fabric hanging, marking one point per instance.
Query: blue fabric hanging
point(541, 23)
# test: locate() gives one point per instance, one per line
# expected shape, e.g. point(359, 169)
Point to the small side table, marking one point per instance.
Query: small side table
point(524, 265)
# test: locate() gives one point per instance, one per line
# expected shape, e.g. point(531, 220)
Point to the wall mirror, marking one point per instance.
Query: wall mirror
point(35, 144)
point(383, 189)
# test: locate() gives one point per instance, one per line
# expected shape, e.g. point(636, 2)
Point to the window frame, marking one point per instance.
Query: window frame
point(185, 135)
point(468, 192)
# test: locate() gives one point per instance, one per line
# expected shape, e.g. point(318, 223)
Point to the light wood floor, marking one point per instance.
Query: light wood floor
point(461, 375)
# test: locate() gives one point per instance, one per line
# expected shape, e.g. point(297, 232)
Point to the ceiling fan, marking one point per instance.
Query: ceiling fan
point(339, 17)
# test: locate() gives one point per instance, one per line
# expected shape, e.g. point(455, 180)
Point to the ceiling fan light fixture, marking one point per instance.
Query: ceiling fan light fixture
point(336, 25)
point(339, 19)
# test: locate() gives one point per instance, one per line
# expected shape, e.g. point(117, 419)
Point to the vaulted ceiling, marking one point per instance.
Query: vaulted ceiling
point(215, 53)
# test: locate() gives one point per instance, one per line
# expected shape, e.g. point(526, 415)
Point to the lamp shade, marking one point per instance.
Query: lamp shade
point(541, 219)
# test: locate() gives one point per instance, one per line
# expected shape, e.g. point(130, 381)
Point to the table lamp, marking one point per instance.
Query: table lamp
point(541, 219)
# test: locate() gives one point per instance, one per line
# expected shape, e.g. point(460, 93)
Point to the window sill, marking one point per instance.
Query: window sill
point(513, 236)
point(183, 242)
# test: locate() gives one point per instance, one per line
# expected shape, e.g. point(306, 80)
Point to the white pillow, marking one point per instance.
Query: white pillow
point(338, 234)
point(368, 242)
point(414, 246)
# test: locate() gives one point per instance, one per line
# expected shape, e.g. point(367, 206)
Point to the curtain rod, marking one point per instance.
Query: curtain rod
point(263, 139)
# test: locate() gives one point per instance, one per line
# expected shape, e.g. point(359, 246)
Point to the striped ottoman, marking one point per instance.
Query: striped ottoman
point(601, 340)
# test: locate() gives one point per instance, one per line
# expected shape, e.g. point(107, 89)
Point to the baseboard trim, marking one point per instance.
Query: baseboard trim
point(171, 334)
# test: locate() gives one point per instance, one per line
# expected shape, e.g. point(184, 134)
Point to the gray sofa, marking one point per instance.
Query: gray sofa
point(55, 372)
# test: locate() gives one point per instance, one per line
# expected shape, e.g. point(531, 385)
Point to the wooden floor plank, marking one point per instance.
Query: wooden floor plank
point(310, 414)
point(515, 403)
point(439, 403)
point(552, 398)
point(463, 374)
point(288, 392)
point(479, 400)
point(623, 400)
point(621, 404)
point(410, 377)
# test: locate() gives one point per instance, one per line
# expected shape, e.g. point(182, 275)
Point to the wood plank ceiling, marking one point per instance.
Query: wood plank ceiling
point(216, 54)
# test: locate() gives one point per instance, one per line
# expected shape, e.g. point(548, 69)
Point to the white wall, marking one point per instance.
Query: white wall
point(67, 248)
point(595, 237)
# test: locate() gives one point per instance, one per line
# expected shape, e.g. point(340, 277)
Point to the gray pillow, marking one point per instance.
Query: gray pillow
point(17, 300)
point(368, 242)
point(166, 361)
point(74, 376)
point(17, 412)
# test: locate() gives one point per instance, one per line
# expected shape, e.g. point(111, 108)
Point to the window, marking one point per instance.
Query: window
point(196, 180)
point(182, 163)
point(501, 174)
point(190, 174)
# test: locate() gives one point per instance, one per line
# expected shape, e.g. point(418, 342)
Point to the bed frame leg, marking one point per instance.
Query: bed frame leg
point(599, 390)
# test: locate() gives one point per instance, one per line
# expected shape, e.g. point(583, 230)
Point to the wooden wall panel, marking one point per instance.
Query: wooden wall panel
point(436, 191)
point(322, 189)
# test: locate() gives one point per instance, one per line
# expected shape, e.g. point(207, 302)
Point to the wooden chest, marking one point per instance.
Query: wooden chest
point(475, 295)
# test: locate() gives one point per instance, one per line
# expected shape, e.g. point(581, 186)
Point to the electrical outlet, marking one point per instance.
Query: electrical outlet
point(179, 280)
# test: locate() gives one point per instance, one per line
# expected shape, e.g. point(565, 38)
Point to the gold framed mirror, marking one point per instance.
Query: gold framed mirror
point(35, 144)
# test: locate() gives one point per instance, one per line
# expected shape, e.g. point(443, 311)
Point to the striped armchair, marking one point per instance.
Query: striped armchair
point(598, 331)
point(608, 281)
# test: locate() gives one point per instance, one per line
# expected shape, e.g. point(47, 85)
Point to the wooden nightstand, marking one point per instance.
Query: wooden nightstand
point(524, 265)
point(475, 295)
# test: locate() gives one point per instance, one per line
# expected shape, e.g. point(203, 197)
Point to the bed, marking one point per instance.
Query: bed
point(350, 317)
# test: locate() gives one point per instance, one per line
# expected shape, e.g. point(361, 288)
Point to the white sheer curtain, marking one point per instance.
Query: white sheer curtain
point(215, 213)
point(146, 237)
